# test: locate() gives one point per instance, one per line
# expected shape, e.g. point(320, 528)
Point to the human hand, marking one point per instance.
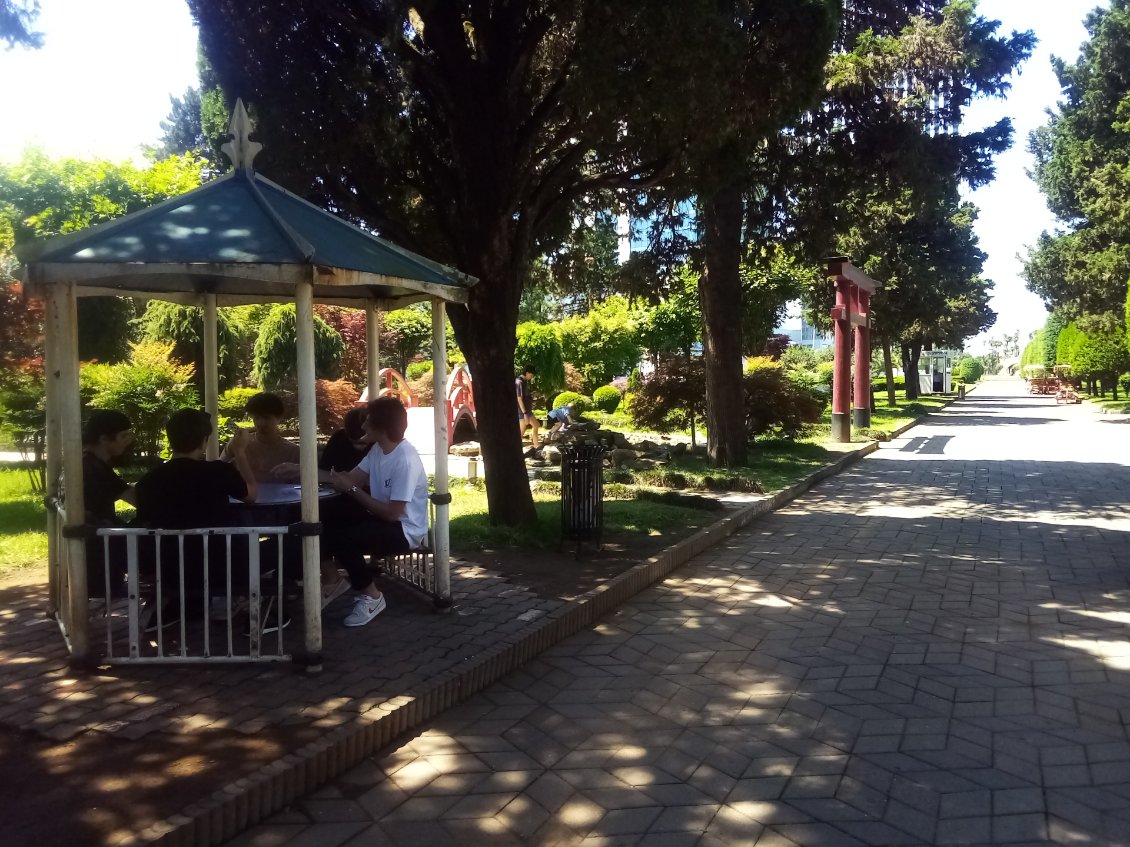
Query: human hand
point(286, 472)
point(341, 481)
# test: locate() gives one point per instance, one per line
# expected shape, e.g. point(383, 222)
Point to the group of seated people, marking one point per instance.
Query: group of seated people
point(382, 509)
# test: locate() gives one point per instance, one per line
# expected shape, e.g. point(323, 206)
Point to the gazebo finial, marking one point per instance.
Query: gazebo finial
point(241, 149)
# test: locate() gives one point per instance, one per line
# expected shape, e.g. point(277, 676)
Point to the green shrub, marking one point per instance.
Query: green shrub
point(602, 344)
point(776, 404)
point(233, 402)
point(606, 398)
point(417, 369)
point(880, 384)
point(970, 370)
point(581, 403)
point(147, 388)
point(619, 476)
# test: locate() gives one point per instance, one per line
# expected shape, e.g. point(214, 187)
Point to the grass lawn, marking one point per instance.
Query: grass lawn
point(23, 541)
point(772, 464)
point(471, 528)
point(1121, 406)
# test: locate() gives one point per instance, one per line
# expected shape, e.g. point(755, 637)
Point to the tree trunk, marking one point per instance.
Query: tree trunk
point(694, 424)
point(720, 293)
point(485, 330)
point(889, 371)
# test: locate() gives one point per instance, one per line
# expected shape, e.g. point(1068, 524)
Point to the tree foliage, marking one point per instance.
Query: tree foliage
point(539, 347)
point(1083, 168)
point(41, 197)
point(276, 349)
point(147, 388)
point(17, 19)
point(601, 344)
point(472, 132)
point(184, 327)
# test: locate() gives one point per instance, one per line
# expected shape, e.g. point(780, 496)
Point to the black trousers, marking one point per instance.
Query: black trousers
point(349, 542)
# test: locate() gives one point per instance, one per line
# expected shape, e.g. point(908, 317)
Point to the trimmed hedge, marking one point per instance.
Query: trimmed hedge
point(581, 403)
point(606, 398)
point(416, 370)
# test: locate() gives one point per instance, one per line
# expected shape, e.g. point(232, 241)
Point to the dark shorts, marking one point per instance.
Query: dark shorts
point(524, 415)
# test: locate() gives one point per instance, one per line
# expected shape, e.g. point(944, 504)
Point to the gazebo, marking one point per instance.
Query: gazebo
point(239, 239)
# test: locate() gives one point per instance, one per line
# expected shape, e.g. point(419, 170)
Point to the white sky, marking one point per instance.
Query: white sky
point(101, 84)
point(1013, 212)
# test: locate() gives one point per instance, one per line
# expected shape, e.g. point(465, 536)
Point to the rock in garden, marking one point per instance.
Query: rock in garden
point(646, 446)
point(468, 448)
point(621, 457)
point(551, 455)
point(678, 449)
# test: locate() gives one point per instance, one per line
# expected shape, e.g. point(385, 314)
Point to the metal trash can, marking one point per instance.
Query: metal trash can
point(582, 493)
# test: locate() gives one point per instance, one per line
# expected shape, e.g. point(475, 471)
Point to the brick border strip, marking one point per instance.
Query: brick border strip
point(247, 801)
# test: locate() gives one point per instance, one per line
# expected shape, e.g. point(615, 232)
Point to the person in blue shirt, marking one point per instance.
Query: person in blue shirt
point(560, 419)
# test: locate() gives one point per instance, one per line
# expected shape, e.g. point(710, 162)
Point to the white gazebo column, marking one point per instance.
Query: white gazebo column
point(212, 373)
point(64, 320)
point(308, 476)
point(441, 497)
point(373, 350)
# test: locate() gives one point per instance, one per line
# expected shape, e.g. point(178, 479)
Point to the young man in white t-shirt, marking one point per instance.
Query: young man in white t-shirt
point(396, 502)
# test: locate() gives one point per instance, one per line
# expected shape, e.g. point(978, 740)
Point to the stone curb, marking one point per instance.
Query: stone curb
point(247, 801)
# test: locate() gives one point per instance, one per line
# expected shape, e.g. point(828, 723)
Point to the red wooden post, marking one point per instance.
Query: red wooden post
point(861, 415)
point(853, 309)
point(841, 373)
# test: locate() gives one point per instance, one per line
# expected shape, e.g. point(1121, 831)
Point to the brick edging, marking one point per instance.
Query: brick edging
point(249, 800)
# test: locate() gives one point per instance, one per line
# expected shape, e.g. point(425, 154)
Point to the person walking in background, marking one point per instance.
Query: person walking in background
point(266, 448)
point(526, 417)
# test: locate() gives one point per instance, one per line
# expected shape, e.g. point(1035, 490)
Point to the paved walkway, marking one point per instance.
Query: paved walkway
point(933, 648)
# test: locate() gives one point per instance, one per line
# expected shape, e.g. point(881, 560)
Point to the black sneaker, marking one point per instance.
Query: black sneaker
point(270, 621)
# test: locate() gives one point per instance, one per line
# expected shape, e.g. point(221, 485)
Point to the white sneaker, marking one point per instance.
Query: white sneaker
point(334, 590)
point(365, 608)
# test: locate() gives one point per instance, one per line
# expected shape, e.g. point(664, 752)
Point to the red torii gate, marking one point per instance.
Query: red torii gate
point(853, 309)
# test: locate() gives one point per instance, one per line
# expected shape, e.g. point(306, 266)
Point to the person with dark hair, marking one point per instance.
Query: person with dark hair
point(395, 505)
point(188, 492)
point(266, 448)
point(345, 449)
point(106, 440)
point(526, 416)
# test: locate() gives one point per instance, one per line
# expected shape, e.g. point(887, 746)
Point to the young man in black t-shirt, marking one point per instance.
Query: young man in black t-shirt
point(188, 492)
point(106, 439)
